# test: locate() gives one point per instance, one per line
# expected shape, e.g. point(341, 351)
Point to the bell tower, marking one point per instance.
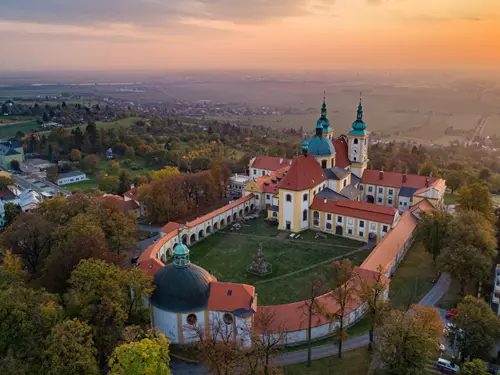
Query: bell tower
point(358, 139)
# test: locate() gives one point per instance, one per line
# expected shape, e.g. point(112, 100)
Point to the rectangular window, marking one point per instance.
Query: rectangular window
point(385, 228)
point(350, 221)
point(370, 189)
point(391, 192)
point(256, 197)
point(361, 224)
point(380, 200)
point(380, 190)
point(263, 173)
point(389, 201)
point(255, 171)
point(373, 226)
point(268, 196)
point(361, 187)
point(339, 219)
point(349, 231)
point(406, 203)
point(361, 234)
point(329, 216)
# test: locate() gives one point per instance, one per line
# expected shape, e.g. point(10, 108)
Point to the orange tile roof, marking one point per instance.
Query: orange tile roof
point(305, 173)
point(271, 183)
point(150, 266)
point(394, 179)
point(219, 211)
point(341, 152)
point(360, 210)
point(118, 201)
point(170, 227)
point(270, 163)
point(230, 297)
point(293, 316)
point(438, 185)
point(132, 193)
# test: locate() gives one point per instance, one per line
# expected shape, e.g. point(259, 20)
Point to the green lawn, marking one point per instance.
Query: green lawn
point(10, 130)
point(227, 254)
point(450, 198)
point(354, 362)
point(413, 278)
point(117, 124)
point(83, 186)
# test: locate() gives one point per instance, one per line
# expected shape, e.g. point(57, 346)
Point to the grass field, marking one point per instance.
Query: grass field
point(117, 124)
point(413, 278)
point(227, 254)
point(450, 199)
point(83, 186)
point(354, 362)
point(9, 130)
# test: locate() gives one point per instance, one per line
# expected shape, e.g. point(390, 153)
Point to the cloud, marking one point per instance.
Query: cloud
point(145, 13)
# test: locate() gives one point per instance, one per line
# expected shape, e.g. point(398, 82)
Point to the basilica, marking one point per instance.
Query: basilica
point(330, 188)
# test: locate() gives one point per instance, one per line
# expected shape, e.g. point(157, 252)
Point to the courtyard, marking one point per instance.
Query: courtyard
point(228, 253)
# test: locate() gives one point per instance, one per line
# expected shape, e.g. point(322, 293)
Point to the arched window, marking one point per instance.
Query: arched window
point(192, 319)
point(228, 318)
point(304, 215)
point(356, 141)
point(316, 214)
point(289, 197)
point(323, 164)
point(305, 197)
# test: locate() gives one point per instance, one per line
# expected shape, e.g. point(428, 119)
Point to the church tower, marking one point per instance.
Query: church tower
point(320, 146)
point(325, 123)
point(358, 143)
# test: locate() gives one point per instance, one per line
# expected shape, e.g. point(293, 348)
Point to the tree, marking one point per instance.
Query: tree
point(113, 167)
point(100, 294)
point(428, 169)
point(148, 356)
point(315, 287)
point(109, 184)
point(13, 272)
point(90, 163)
point(164, 173)
point(485, 174)
point(373, 293)
point(474, 367)
point(125, 182)
point(45, 117)
point(29, 237)
point(6, 181)
point(75, 155)
point(455, 180)
point(476, 197)
point(11, 212)
point(70, 350)
point(464, 263)
point(433, 230)
point(345, 288)
point(476, 327)
point(406, 339)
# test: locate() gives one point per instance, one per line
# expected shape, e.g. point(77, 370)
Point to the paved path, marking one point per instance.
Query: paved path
point(438, 290)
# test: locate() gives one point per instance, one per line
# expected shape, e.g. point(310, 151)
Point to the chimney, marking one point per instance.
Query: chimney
point(324, 201)
point(381, 174)
point(427, 182)
point(281, 161)
point(430, 174)
point(405, 178)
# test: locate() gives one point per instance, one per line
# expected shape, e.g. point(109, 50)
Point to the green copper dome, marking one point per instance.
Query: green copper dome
point(323, 121)
point(359, 126)
point(321, 146)
point(305, 146)
point(181, 256)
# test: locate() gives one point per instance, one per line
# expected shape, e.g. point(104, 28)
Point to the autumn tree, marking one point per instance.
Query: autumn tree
point(407, 339)
point(464, 263)
point(29, 237)
point(428, 169)
point(52, 173)
point(70, 350)
point(314, 288)
point(474, 367)
point(100, 295)
point(373, 292)
point(6, 181)
point(90, 164)
point(455, 180)
point(164, 173)
point(12, 271)
point(119, 227)
point(345, 288)
point(433, 230)
point(109, 184)
point(476, 327)
point(11, 212)
point(476, 197)
point(75, 155)
point(148, 356)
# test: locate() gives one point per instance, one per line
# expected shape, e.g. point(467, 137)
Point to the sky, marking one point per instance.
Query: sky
point(248, 34)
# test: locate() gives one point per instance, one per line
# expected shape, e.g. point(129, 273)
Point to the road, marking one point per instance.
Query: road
point(431, 298)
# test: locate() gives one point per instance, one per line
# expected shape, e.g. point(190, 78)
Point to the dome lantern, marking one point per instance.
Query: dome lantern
point(305, 146)
point(181, 256)
point(359, 126)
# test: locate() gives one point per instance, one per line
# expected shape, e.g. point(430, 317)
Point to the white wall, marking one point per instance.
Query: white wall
point(166, 322)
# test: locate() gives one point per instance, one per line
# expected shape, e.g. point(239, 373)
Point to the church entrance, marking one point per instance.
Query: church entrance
point(339, 230)
point(370, 199)
point(372, 238)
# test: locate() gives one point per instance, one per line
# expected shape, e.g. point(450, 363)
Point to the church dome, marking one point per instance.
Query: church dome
point(182, 286)
point(321, 146)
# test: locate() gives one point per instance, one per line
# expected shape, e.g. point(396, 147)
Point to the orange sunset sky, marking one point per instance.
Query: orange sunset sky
point(257, 34)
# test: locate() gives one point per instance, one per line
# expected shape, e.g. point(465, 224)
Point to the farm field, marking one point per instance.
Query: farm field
point(227, 254)
point(9, 130)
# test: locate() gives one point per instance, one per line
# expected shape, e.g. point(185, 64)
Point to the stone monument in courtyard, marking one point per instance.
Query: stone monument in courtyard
point(259, 266)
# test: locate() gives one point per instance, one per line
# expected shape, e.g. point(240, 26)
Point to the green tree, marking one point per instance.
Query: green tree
point(455, 180)
point(11, 212)
point(75, 155)
point(125, 182)
point(464, 263)
point(474, 367)
point(407, 339)
point(13, 272)
point(52, 173)
point(90, 164)
point(14, 164)
point(433, 231)
point(148, 356)
point(476, 197)
point(109, 184)
point(476, 327)
point(428, 169)
point(6, 181)
point(113, 168)
point(70, 350)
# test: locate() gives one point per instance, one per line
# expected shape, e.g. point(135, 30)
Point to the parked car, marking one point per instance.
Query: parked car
point(446, 366)
point(450, 315)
